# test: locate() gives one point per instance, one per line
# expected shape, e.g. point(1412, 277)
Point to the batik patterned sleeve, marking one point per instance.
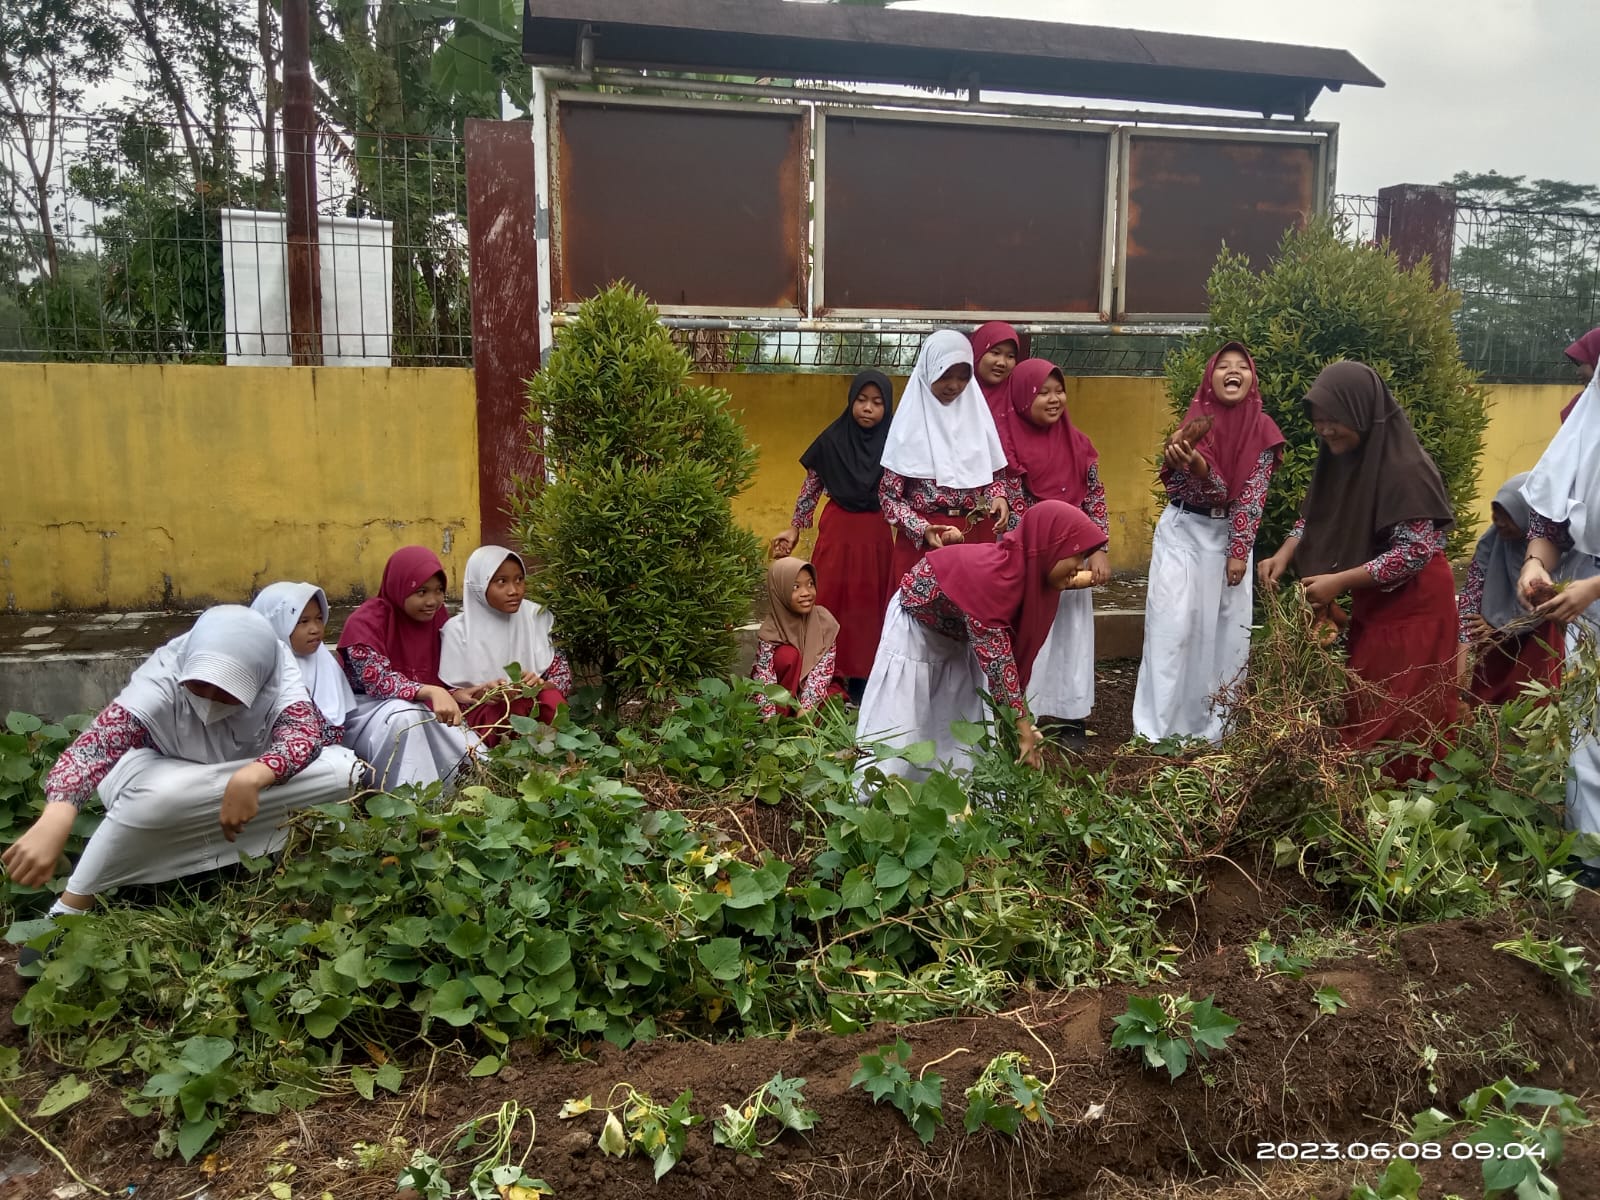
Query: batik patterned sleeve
point(92, 754)
point(371, 674)
point(1299, 530)
point(1541, 526)
point(1017, 497)
point(1094, 501)
point(897, 509)
point(766, 675)
point(296, 741)
point(1244, 513)
point(1469, 601)
point(559, 673)
point(806, 504)
point(814, 690)
point(992, 644)
point(1411, 545)
point(997, 487)
point(1188, 488)
point(332, 735)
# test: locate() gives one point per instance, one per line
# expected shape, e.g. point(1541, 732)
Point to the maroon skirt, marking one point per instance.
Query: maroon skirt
point(1403, 647)
point(1533, 657)
point(852, 557)
point(908, 553)
point(490, 719)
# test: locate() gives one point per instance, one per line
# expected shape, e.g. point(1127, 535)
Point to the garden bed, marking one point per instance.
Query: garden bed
point(1433, 1012)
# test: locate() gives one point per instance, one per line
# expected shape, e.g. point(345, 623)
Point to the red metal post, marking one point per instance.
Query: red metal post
point(1418, 220)
point(300, 176)
point(501, 220)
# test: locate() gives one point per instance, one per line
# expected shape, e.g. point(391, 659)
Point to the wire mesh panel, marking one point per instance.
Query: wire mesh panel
point(697, 207)
point(1530, 285)
point(113, 249)
point(914, 220)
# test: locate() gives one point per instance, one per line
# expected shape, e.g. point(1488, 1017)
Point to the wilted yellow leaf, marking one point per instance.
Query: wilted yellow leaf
point(575, 1108)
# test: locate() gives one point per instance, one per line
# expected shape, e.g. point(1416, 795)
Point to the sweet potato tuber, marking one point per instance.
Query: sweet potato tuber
point(1327, 623)
point(1191, 431)
point(1542, 592)
point(1083, 579)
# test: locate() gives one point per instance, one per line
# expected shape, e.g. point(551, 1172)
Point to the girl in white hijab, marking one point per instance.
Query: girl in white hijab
point(298, 614)
point(943, 466)
point(498, 626)
point(1563, 492)
point(212, 743)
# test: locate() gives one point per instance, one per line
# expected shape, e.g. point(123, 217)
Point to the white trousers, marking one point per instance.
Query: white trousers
point(162, 815)
point(405, 743)
point(921, 682)
point(1196, 628)
point(1062, 684)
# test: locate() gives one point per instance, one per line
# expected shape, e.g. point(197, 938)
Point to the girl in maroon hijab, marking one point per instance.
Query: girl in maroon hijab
point(855, 546)
point(970, 618)
point(407, 723)
point(1200, 602)
point(1585, 355)
point(1373, 524)
point(1048, 458)
point(996, 348)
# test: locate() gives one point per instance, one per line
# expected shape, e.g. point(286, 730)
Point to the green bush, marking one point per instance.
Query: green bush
point(1321, 300)
point(640, 559)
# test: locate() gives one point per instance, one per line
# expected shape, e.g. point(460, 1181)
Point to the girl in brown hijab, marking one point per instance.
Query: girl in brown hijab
point(1373, 524)
point(797, 639)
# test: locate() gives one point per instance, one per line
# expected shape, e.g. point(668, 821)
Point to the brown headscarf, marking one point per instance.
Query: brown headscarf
point(1355, 498)
point(812, 634)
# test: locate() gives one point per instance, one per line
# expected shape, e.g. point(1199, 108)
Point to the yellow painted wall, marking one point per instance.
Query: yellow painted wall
point(139, 486)
point(142, 486)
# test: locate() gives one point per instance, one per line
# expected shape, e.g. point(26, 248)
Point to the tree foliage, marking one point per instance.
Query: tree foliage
point(1322, 300)
point(640, 559)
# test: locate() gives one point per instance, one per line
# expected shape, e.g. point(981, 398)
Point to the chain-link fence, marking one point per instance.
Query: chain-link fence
point(124, 242)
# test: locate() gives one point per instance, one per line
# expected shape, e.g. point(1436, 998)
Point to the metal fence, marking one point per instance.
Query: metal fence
point(115, 248)
point(116, 245)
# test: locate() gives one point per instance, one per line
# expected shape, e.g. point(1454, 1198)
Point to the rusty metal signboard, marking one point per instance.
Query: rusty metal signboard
point(930, 216)
point(702, 207)
point(1185, 194)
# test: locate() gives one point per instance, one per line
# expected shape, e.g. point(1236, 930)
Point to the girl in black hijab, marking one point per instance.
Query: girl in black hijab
point(855, 545)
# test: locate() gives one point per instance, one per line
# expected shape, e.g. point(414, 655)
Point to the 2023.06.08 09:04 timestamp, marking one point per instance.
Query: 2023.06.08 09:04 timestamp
point(1383, 1151)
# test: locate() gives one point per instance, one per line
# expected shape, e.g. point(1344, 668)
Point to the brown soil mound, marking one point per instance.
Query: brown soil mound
point(1432, 1013)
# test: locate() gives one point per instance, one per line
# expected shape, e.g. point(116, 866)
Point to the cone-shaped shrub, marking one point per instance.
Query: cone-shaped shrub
point(639, 557)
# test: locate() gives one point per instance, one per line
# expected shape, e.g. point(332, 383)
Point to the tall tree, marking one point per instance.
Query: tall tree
point(51, 52)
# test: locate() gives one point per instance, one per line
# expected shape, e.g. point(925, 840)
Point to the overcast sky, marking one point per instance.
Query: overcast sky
point(1509, 85)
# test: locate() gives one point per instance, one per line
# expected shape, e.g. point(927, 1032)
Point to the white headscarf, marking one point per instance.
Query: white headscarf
point(281, 604)
point(233, 649)
point(481, 642)
point(956, 444)
point(1565, 483)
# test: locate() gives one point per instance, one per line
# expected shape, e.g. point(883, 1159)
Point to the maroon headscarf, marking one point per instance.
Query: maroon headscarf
point(1056, 460)
point(1585, 350)
point(1006, 582)
point(984, 339)
point(412, 647)
point(1239, 434)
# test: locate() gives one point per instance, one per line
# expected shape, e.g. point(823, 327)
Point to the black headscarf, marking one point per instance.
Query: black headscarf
point(847, 457)
point(1355, 498)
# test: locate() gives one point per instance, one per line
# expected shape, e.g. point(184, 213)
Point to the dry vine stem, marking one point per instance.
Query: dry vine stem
point(43, 1141)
